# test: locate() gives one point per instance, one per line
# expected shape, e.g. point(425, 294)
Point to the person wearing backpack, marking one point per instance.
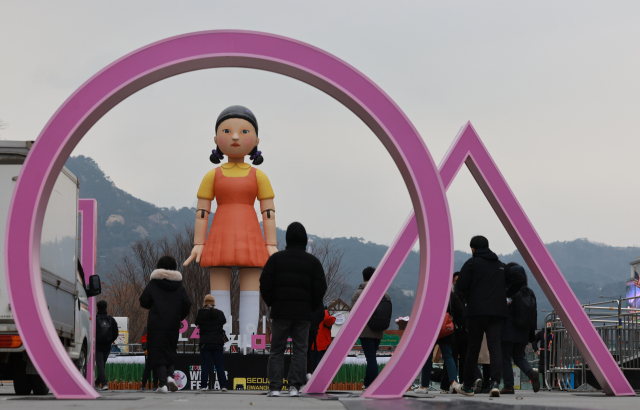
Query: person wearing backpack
point(518, 329)
point(210, 321)
point(292, 284)
point(374, 330)
point(106, 334)
point(482, 280)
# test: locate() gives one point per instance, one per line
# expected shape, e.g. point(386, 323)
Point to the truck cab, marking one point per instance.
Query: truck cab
point(63, 280)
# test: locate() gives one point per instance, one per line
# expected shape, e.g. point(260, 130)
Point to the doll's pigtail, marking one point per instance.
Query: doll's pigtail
point(216, 155)
point(256, 156)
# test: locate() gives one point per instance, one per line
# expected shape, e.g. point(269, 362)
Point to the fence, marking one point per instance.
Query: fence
point(619, 328)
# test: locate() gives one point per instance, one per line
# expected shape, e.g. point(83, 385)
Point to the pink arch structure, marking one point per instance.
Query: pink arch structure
point(197, 51)
point(313, 66)
point(468, 149)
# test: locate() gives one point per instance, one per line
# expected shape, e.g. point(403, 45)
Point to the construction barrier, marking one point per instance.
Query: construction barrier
point(619, 328)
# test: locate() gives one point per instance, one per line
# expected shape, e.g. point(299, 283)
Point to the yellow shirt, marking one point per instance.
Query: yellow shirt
point(235, 170)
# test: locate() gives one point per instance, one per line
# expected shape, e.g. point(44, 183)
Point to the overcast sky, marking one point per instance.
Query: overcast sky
point(553, 89)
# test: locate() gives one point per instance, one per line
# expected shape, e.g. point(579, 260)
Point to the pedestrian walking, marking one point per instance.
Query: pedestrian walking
point(515, 336)
point(446, 343)
point(372, 333)
point(210, 321)
point(482, 279)
point(293, 285)
point(168, 304)
point(106, 334)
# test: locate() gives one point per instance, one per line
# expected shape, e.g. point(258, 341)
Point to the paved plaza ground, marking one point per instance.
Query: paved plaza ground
point(525, 400)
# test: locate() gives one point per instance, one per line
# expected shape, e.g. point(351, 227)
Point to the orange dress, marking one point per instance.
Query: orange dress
point(235, 237)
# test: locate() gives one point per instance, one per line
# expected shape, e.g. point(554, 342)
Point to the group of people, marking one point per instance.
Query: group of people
point(491, 308)
point(293, 285)
point(483, 308)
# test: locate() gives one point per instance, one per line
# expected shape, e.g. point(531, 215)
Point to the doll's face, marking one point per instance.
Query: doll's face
point(236, 137)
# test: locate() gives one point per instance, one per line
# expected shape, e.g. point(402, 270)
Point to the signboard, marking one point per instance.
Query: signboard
point(244, 372)
point(123, 333)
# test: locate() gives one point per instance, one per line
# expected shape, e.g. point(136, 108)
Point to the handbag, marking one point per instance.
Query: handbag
point(447, 327)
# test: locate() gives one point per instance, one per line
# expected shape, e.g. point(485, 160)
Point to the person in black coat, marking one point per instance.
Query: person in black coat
point(293, 285)
point(515, 340)
point(210, 322)
point(106, 334)
point(168, 305)
point(482, 280)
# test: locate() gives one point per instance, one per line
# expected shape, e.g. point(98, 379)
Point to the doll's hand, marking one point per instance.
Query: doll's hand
point(272, 249)
point(196, 253)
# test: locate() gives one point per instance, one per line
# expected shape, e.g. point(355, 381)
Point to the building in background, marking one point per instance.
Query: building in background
point(340, 310)
point(633, 286)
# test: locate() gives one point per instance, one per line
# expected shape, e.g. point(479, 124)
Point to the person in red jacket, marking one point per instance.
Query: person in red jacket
point(323, 340)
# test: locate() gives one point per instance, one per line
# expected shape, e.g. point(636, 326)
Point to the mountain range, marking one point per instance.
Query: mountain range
point(591, 269)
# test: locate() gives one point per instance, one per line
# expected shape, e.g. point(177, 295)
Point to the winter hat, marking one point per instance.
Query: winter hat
point(209, 300)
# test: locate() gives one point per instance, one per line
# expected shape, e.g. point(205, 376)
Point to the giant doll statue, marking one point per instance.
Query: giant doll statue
point(235, 238)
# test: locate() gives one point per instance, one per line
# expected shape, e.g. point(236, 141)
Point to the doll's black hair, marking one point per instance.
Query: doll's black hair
point(255, 155)
point(237, 111)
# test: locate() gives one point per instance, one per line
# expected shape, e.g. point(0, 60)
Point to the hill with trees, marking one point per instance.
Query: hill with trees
point(592, 269)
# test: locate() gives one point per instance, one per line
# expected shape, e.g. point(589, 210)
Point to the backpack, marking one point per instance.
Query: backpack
point(103, 329)
point(525, 310)
point(381, 318)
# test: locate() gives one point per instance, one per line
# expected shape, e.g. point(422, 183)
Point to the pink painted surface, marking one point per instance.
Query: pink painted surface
point(191, 52)
point(468, 148)
point(211, 49)
point(184, 326)
point(258, 341)
point(88, 208)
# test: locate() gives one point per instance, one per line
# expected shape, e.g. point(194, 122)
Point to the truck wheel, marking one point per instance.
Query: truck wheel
point(82, 361)
point(39, 386)
point(21, 384)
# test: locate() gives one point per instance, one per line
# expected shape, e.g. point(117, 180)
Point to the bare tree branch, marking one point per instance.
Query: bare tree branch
point(132, 275)
point(330, 255)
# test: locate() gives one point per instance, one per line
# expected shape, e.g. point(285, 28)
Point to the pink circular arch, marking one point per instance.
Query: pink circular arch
point(178, 55)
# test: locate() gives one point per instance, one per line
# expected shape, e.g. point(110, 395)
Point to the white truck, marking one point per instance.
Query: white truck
point(63, 281)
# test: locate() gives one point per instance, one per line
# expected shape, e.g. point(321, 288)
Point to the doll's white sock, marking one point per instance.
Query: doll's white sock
point(223, 303)
point(248, 316)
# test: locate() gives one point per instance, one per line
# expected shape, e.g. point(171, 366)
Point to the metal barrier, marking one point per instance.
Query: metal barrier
point(619, 328)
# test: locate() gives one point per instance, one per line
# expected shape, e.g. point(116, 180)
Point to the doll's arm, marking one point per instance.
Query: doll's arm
point(200, 234)
point(268, 210)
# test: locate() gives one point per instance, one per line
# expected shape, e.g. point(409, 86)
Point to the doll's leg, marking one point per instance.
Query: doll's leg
point(220, 282)
point(249, 303)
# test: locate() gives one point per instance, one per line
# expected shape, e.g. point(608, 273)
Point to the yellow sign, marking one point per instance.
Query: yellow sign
point(239, 383)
